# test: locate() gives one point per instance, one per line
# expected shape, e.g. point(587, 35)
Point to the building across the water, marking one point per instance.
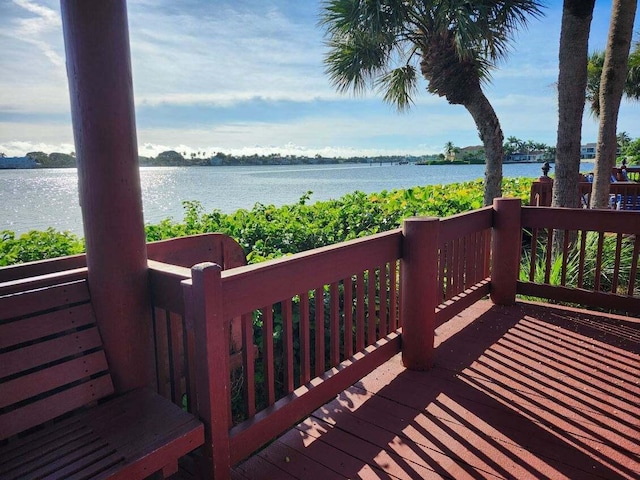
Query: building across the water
point(18, 162)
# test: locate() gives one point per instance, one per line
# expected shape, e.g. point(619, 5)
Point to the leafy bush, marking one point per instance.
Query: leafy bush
point(37, 245)
point(267, 231)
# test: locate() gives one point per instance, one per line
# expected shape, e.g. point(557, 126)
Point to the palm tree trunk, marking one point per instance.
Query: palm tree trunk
point(572, 82)
point(614, 73)
point(491, 135)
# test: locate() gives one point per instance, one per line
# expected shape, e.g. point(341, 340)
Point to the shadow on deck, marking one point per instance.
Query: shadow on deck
point(530, 391)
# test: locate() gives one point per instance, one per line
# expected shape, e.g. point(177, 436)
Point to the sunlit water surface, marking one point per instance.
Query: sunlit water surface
point(37, 199)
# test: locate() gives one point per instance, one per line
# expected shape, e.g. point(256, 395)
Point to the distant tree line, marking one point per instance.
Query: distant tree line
point(53, 160)
point(172, 158)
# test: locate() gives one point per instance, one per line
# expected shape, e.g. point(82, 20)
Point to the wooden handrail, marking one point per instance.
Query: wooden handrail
point(624, 195)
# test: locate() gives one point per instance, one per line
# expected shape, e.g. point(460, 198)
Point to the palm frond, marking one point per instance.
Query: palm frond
point(399, 85)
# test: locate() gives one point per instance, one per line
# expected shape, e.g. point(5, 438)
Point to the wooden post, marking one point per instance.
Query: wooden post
point(100, 86)
point(204, 307)
point(419, 273)
point(505, 250)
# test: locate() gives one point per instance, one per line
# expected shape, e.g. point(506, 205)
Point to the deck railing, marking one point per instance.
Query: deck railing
point(174, 340)
point(320, 320)
point(327, 318)
point(464, 261)
point(588, 257)
point(253, 349)
point(623, 195)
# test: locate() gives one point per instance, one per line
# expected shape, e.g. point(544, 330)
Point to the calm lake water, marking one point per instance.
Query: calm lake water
point(37, 199)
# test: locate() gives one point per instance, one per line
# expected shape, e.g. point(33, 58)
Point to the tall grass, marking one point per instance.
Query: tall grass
point(590, 277)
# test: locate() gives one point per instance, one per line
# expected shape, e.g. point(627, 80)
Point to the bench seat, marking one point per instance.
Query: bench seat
point(131, 436)
point(59, 417)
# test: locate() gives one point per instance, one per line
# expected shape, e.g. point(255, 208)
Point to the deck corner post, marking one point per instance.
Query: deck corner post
point(505, 250)
point(212, 365)
point(99, 74)
point(418, 287)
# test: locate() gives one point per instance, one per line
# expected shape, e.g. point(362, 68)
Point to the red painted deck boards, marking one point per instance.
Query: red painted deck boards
point(529, 391)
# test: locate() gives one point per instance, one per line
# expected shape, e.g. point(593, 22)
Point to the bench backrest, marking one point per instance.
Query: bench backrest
point(51, 356)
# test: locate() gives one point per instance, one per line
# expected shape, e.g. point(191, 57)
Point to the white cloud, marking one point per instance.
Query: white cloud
point(37, 29)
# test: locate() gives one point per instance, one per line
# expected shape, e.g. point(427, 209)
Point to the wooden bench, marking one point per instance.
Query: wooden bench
point(58, 415)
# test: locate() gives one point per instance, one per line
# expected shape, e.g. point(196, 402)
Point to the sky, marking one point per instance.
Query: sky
point(247, 76)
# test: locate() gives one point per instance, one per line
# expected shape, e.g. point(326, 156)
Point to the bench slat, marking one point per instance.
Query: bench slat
point(90, 466)
point(146, 432)
point(39, 326)
point(33, 301)
point(29, 449)
point(42, 381)
point(41, 411)
point(42, 465)
point(39, 354)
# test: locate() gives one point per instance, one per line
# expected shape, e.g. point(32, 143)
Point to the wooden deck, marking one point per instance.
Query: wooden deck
point(529, 391)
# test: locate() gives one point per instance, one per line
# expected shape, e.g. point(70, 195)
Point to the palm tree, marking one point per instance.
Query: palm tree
point(614, 76)
point(453, 44)
point(572, 81)
point(450, 151)
point(623, 140)
point(594, 75)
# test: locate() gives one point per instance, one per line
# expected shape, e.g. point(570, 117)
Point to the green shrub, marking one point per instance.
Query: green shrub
point(267, 231)
point(37, 245)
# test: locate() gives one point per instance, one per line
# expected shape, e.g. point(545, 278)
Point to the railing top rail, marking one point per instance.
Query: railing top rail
point(611, 221)
point(465, 223)
point(169, 270)
point(253, 286)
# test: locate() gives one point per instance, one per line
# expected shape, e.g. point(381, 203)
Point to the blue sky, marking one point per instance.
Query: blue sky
point(247, 76)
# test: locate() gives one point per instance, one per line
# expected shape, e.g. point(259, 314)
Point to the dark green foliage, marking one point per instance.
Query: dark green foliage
point(37, 245)
point(267, 231)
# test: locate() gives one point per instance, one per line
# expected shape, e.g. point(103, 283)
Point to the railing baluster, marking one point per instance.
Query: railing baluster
point(248, 365)
point(441, 273)
point(267, 352)
point(393, 294)
point(449, 260)
point(287, 332)
point(319, 331)
point(176, 356)
point(565, 258)
point(616, 264)
point(634, 265)
point(598, 271)
point(190, 348)
point(384, 324)
point(305, 340)
point(549, 251)
point(161, 326)
point(334, 323)
point(360, 314)
point(456, 268)
point(371, 310)
point(348, 317)
point(583, 250)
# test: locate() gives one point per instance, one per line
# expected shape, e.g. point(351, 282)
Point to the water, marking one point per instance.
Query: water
point(37, 199)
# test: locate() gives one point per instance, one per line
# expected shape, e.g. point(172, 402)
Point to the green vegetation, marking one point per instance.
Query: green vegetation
point(53, 160)
point(572, 264)
point(266, 231)
point(631, 152)
point(37, 245)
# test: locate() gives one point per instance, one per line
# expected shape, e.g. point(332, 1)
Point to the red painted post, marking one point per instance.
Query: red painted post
point(212, 364)
point(100, 86)
point(418, 277)
point(506, 246)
